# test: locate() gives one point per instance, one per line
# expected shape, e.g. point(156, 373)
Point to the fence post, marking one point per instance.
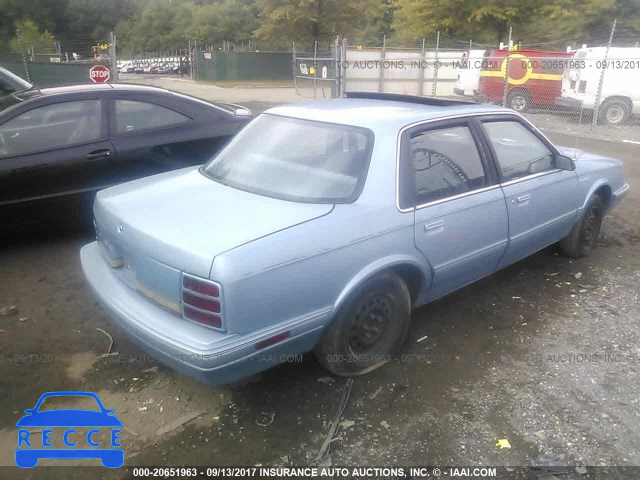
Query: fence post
point(315, 67)
point(112, 54)
point(383, 54)
point(434, 83)
point(27, 71)
point(335, 88)
point(423, 63)
point(343, 67)
point(596, 107)
point(505, 91)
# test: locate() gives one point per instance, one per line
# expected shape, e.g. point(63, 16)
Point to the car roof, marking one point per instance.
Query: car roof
point(379, 114)
point(90, 87)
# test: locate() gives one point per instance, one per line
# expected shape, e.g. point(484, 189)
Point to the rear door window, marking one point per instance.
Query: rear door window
point(445, 162)
point(135, 116)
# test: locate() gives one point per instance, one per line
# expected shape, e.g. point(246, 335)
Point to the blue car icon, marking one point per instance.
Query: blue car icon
point(27, 456)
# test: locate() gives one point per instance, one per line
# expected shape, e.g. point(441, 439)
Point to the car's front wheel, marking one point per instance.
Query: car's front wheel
point(369, 328)
point(584, 234)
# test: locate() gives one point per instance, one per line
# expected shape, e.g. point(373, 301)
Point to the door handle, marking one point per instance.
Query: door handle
point(434, 225)
point(98, 154)
point(523, 198)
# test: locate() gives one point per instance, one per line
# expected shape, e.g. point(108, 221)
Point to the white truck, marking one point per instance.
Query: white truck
point(620, 95)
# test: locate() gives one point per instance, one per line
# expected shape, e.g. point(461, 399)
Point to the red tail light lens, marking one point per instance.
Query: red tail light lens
point(583, 86)
point(200, 286)
point(201, 301)
point(202, 317)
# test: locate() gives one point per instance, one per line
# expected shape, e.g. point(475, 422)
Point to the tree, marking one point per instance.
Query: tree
point(42, 42)
point(231, 20)
point(306, 21)
point(485, 20)
point(157, 25)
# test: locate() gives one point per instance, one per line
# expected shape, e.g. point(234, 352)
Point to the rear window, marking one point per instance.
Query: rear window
point(294, 159)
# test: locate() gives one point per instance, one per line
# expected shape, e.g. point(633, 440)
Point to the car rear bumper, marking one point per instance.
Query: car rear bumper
point(211, 356)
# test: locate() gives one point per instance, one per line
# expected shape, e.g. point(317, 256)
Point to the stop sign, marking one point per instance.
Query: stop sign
point(99, 74)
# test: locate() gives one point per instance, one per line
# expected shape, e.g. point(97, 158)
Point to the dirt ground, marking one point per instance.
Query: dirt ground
point(544, 354)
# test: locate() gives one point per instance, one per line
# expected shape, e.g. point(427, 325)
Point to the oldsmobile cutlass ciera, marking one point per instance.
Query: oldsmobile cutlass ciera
point(321, 225)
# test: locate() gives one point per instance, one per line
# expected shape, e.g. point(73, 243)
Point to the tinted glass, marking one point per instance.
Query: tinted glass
point(133, 116)
point(445, 162)
point(519, 151)
point(295, 159)
point(51, 127)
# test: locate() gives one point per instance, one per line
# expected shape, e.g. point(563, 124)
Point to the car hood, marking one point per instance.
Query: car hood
point(69, 418)
point(183, 219)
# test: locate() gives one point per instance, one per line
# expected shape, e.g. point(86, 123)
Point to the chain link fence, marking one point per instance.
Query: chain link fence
point(579, 89)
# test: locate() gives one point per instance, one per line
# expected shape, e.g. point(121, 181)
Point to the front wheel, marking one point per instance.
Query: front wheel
point(369, 328)
point(584, 234)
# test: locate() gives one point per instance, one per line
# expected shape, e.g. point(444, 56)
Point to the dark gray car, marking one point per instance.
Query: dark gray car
point(58, 146)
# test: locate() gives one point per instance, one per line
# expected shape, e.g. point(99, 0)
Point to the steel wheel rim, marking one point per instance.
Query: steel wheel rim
point(518, 103)
point(370, 323)
point(615, 114)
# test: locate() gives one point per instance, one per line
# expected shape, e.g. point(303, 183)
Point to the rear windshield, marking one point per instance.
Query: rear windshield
point(297, 160)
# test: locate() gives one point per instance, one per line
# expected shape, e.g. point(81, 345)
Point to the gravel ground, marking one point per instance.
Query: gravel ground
point(544, 354)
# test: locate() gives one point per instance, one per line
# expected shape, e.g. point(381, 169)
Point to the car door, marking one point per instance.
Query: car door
point(52, 153)
point(460, 212)
point(542, 200)
point(151, 138)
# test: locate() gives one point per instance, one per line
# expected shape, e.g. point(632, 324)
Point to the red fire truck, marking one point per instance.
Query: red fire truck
point(534, 76)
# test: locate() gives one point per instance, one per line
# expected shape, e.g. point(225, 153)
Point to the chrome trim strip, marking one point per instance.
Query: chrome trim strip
point(530, 177)
point(454, 197)
point(199, 295)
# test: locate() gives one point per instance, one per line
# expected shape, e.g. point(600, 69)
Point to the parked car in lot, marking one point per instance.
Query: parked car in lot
point(619, 98)
point(58, 146)
point(322, 225)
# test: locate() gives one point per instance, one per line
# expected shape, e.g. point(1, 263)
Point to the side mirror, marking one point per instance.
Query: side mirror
point(565, 163)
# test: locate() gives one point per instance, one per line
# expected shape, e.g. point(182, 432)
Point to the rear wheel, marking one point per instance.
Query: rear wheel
point(519, 100)
point(584, 234)
point(368, 329)
point(614, 112)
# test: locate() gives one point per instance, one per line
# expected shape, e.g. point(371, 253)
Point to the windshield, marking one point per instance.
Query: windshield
point(11, 83)
point(293, 159)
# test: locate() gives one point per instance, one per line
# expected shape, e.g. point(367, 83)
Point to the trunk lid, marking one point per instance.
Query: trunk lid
point(153, 228)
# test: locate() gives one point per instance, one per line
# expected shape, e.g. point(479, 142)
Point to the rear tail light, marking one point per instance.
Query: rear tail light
point(201, 301)
point(583, 86)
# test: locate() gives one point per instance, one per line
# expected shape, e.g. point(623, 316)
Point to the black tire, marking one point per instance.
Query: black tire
point(368, 329)
point(614, 112)
point(519, 100)
point(584, 234)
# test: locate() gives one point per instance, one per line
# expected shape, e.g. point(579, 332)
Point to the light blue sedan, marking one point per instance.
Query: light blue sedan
point(322, 225)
